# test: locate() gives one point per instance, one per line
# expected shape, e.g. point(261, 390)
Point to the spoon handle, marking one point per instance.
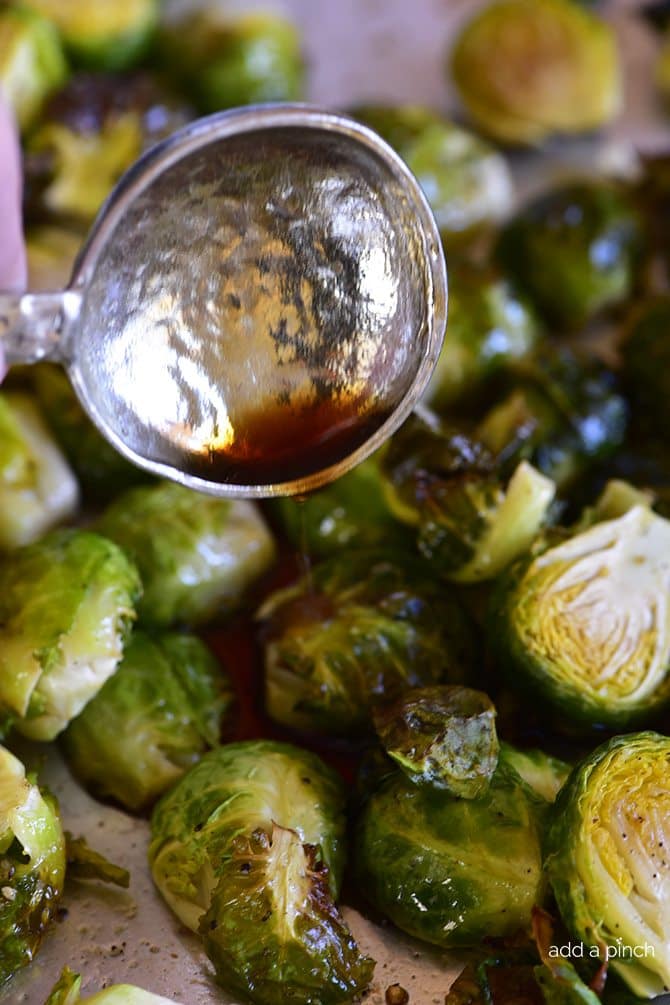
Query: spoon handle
point(31, 324)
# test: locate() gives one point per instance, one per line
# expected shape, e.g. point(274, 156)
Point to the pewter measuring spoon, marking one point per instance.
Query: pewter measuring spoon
point(259, 305)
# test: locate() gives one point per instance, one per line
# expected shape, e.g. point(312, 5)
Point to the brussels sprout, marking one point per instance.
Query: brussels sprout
point(248, 849)
point(468, 524)
point(197, 555)
point(227, 59)
point(466, 181)
point(101, 469)
point(606, 857)
point(586, 625)
point(37, 488)
point(351, 512)
point(573, 251)
point(560, 413)
point(359, 631)
point(448, 870)
point(173, 692)
point(646, 359)
point(91, 132)
point(542, 772)
point(66, 603)
point(489, 327)
point(67, 990)
point(526, 69)
point(32, 64)
point(32, 865)
point(109, 35)
point(442, 736)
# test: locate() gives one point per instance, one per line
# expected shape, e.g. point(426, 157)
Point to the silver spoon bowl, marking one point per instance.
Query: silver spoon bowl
point(259, 305)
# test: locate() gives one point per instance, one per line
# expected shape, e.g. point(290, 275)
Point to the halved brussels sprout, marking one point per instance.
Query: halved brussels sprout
point(359, 631)
point(607, 858)
point(32, 64)
point(646, 362)
point(572, 251)
point(466, 181)
point(66, 604)
point(448, 870)
point(197, 555)
point(32, 865)
point(489, 327)
point(37, 488)
point(586, 623)
point(67, 990)
point(102, 471)
point(442, 736)
point(154, 718)
point(542, 772)
point(228, 59)
point(468, 524)
point(248, 850)
point(106, 35)
point(526, 69)
point(351, 512)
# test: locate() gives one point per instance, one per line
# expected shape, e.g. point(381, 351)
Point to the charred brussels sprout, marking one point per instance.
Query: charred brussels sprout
point(467, 522)
point(561, 414)
point(448, 870)
point(67, 989)
point(607, 857)
point(442, 736)
point(66, 604)
point(646, 357)
point(572, 251)
point(109, 35)
point(489, 328)
point(526, 69)
point(90, 133)
point(153, 719)
point(467, 183)
point(32, 865)
point(32, 64)
point(102, 470)
point(351, 512)
point(542, 772)
point(197, 555)
point(228, 60)
point(248, 849)
point(37, 488)
point(360, 631)
point(586, 623)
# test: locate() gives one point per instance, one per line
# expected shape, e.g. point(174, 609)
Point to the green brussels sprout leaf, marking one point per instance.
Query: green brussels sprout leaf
point(85, 863)
point(67, 991)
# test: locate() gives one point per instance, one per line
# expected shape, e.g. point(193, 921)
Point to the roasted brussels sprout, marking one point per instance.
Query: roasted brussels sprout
point(542, 772)
point(102, 471)
point(32, 64)
point(360, 630)
point(646, 359)
point(448, 870)
point(66, 604)
point(91, 132)
point(489, 327)
point(467, 523)
point(197, 555)
point(112, 35)
point(37, 488)
point(248, 849)
point(560, 413)
point(572, 251)
point(32, 865)
point(175, 695)
point(526, 69)
point(442, 736)
point(585, 624)
point(467, 182)
point(67, 989)
point(607, 857)
point(351, 512)
point(228, 59)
